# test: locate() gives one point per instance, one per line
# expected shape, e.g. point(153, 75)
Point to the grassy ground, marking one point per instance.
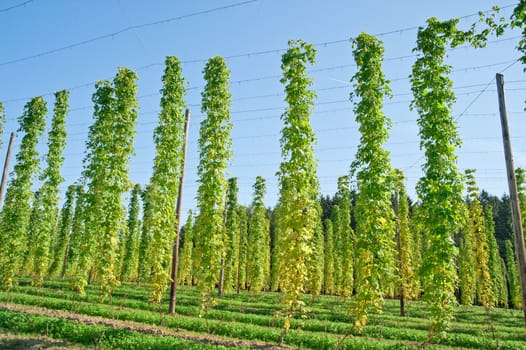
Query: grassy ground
point(240, 321)
point(13, 341)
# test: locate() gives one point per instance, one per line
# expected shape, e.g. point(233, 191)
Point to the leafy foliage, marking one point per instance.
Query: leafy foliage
point(375, 230)
point(129, 260)
point(62, 240)
point(298, 184)
point(215, 151)
point(109, 146)
point(258, 233)
point(2, 121)
point(441, 187)
point(48, 199)
point(232, 235)
point(14, 218)
point(512, 266)
point(164, 183)
point(186, 266)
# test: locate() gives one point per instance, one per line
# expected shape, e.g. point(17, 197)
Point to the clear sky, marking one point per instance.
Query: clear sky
point(252, 37)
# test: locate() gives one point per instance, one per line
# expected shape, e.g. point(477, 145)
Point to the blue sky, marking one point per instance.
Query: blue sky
point(252, 36)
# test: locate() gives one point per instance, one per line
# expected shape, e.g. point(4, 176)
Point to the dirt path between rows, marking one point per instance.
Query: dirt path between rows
point(142, 328)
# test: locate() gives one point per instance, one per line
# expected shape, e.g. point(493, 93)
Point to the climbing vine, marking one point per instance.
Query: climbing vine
point(61, 242)
point(109, 146)
point(164, 183)
point(484, 288)
point(185, 267)
point(232, 235)
point(16, 212)
point(215, 151)
point(129, 262)
point(298, 184)
point(2, 121)
point(375, 228)
point(48, 200)
point(258, 233)
point(440, 190)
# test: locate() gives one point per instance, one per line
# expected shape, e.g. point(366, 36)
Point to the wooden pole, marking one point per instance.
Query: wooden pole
point(6, 166)
point(175, 253)
point(514, 196)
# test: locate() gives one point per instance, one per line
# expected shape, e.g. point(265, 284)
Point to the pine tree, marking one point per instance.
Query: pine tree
point(14, 218)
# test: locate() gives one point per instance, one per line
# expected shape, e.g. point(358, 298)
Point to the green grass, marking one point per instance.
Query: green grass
point(95, 335)
point(250, 317)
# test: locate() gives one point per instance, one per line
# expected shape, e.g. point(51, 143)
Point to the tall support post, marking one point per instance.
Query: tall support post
point(6, 167)
point(175, 254)
point(514, 196)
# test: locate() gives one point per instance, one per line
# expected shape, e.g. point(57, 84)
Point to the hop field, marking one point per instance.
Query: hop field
point(129, 321)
